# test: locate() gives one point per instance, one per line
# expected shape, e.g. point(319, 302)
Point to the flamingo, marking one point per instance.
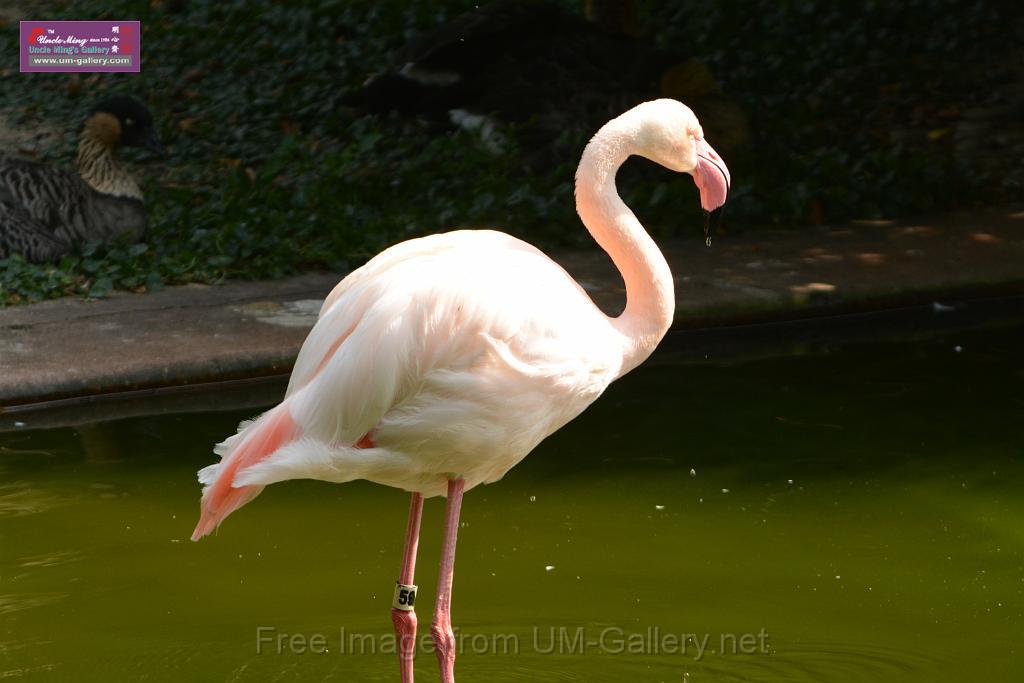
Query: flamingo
point(444, 360)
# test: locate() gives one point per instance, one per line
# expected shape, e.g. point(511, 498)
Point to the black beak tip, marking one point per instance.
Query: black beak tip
point(712, 222)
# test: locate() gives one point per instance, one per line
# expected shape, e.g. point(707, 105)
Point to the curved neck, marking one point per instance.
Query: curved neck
point(98, 167)
point(650, 295)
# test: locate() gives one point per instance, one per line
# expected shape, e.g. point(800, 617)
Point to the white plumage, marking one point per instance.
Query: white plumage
point(442, 354)
point(452, 356)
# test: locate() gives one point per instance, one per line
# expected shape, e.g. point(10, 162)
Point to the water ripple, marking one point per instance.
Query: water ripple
point(51, 559)
point(15, 603)
point(18, 499)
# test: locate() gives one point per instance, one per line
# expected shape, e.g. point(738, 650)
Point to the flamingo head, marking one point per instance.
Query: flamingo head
point(670, 134)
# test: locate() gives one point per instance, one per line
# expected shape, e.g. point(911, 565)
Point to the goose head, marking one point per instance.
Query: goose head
point(123, 121)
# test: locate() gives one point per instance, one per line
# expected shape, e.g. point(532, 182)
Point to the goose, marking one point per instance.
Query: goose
point(46, 211)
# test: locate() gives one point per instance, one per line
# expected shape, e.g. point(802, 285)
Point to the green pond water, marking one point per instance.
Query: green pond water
point(850, 512)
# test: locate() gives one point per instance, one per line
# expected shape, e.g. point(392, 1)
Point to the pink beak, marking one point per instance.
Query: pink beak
point(712, 177)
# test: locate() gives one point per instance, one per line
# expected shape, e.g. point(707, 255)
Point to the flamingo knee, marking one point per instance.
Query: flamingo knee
point(444, 645)
point(405, 637)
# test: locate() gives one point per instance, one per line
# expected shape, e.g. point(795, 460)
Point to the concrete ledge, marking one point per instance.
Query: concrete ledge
point(181, 335)
point(194, 334)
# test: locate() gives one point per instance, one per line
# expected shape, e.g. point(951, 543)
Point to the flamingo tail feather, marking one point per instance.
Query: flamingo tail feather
point(257, 440)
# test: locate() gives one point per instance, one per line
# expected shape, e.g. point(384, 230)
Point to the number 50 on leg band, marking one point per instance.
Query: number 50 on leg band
point(405, 597)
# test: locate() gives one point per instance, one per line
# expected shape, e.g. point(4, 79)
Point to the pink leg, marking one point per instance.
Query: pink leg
point(405, 619)
point(441, 628)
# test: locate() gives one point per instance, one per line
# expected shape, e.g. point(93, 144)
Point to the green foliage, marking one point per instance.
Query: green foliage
point(854, 105)
point(270, 175)
point(267, 174)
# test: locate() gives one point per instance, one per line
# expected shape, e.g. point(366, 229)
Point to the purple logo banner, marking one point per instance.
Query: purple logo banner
point(81, 46)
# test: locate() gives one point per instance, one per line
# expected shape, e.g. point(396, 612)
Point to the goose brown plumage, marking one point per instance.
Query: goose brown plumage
point(45, 210)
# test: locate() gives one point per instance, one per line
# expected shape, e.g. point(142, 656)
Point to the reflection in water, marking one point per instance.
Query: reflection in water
point(20, 498)
point(861, 507)
point(99, 443)
point(23, 672)
point(49, 559)
point(17, 602)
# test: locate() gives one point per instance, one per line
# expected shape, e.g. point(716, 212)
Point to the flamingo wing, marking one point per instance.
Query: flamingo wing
point(443, 354)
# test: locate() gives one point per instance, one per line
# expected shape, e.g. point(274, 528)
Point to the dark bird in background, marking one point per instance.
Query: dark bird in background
point(545, 69)
point(45, 211)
